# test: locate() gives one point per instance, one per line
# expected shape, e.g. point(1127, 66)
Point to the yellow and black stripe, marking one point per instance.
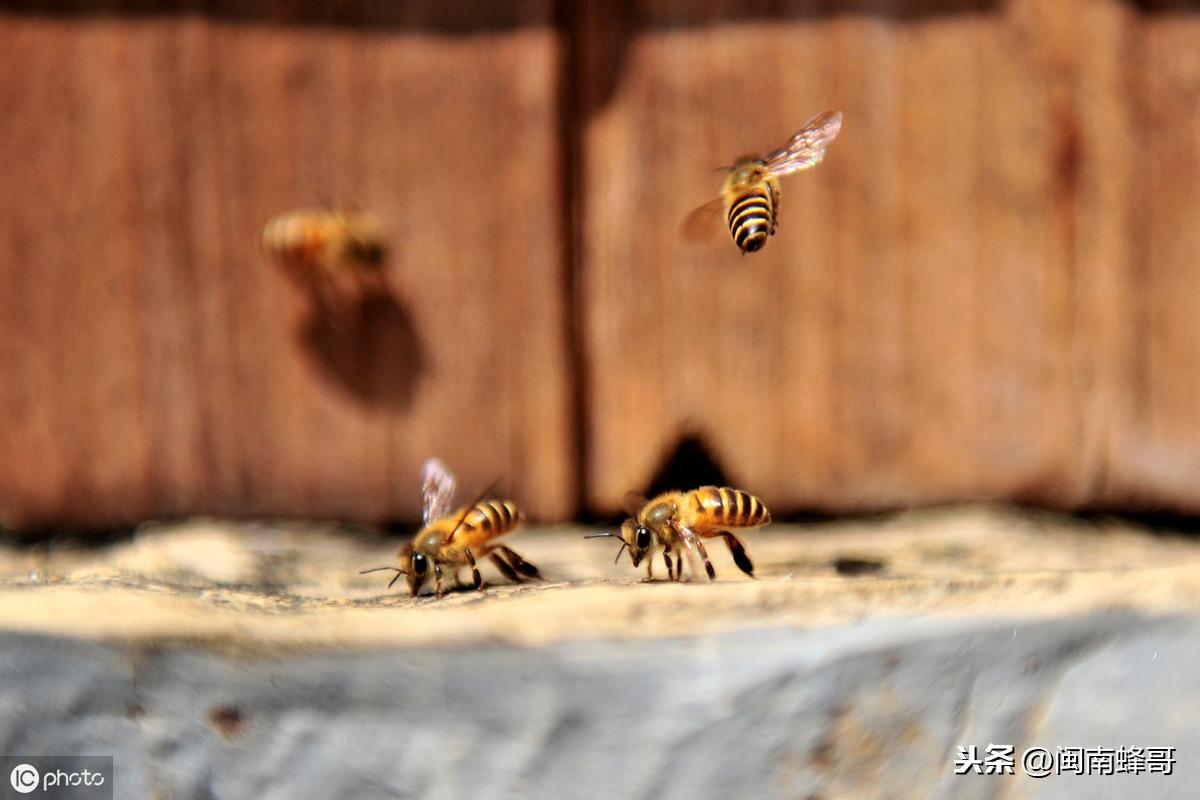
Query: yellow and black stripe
point(730, 508)
point(751, 217)
point(492, 518)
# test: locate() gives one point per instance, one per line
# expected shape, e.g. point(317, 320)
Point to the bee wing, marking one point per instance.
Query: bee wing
point(702, 222)
point(468, 508)
point(437, 490)
point(633, 502)
point(690, 543)
point(807, 146)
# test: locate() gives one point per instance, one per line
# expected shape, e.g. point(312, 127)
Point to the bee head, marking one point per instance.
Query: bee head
point(370, 251)
point(408, 562)
point(747, 169)
point(635, 536)
point(638, 538)
point(418, 571)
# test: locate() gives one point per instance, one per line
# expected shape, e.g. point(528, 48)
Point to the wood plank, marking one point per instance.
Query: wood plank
point(793, 363)
point(155, 365)
point(954, 306)
point(1159, 435)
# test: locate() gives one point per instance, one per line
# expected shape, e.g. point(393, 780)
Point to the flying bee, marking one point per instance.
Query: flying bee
point(678, 522)
point(456, 539)
point(750, 195)
point(326, 248)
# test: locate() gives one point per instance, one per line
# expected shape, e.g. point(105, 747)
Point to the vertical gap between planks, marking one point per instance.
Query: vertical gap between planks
point(568, 24)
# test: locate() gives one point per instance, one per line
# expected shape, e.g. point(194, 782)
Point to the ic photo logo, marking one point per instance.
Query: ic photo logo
point(60, 777)
point(24, 778)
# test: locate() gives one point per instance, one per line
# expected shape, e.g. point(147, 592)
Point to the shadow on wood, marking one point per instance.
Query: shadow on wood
point(422, 15)
point(601, 33)
point(1167, 6)
point(689, 465)
point(370, 349)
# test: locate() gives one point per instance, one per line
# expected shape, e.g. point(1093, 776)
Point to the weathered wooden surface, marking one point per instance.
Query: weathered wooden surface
point(218, 660)
point(987, 290)
point(153, 364)
point(260, 585)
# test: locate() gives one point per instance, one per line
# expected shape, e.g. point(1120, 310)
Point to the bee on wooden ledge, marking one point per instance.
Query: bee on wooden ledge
point(457, 539)
point(678, 522)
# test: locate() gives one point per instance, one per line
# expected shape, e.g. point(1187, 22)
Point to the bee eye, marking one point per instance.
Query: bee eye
point(643, 538)
point(419, 563)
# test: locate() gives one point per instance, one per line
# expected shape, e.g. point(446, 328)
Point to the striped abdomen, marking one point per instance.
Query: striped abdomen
point(487, 520)
point(296, 235)
point(752, 218)
point(729, 508)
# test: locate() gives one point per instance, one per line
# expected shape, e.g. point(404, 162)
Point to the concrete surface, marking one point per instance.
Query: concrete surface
point(220, 660)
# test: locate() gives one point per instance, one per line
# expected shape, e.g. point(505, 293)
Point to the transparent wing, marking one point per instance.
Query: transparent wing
point(437, 490)
point(807, 146)
point(703, 222)
point(688, 548)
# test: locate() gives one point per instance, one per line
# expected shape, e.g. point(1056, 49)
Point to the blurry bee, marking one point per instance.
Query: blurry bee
point(324, 248)
point(456, 539)
point(750, 196)
point(677, 522)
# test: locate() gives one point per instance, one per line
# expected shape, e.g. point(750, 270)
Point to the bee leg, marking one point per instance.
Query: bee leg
point(774, 210)
point(649, 569)
point(670, 566)
point(504, 568)
point(476, 578)
point(437, 580)
point(738, 551)
point(519, 564)
point(708, 567)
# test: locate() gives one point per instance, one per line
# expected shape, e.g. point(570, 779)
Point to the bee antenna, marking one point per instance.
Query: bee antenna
point(395, 577)
point(467, 510)
point(380, 569)
point(606, 535)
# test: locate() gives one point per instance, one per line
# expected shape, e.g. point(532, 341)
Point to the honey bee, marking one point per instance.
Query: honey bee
point(678, 522)
point(750, 196)
point(457, 539)
point(325, 248)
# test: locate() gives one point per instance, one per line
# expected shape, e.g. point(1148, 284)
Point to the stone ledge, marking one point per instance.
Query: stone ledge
point(261, 585)
point(221, 660)
point(873, 709)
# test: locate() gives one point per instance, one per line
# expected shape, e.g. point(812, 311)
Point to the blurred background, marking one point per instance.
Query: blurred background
point(989, 290)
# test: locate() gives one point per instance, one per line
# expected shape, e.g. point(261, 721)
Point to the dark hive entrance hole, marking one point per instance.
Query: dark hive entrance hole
point(690, 464)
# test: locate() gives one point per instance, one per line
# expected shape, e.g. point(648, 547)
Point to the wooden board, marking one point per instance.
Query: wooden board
point(1157, 436)
point(987, 290)
point(154, 365)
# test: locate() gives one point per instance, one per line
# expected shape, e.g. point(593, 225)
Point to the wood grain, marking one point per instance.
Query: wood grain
point(1157, 435)
point(987, 290)
point(154, 365)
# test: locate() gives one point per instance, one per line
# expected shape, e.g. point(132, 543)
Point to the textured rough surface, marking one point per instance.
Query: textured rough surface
point(156, 365)
point(989, 289)
point(252, 661)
